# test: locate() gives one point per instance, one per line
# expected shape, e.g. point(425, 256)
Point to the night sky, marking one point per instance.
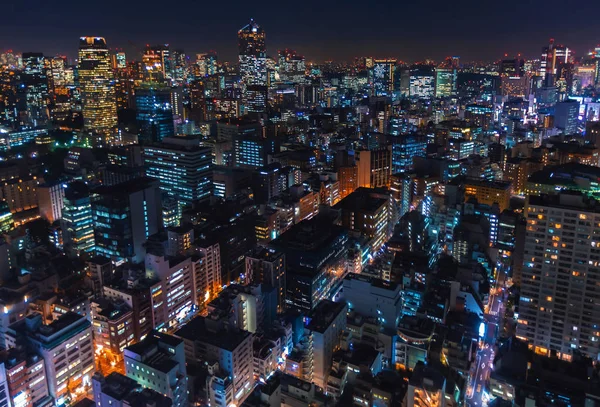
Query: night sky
point(339, 30)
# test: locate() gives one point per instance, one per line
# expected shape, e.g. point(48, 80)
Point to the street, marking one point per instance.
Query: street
point(493, 320)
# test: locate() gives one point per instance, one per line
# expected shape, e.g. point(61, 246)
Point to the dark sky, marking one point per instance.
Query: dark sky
point(323, 29)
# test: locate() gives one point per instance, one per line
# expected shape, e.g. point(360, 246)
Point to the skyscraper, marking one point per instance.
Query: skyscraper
point(35, 80)
point(558, 310)
point(382, 76)
point(154, 112)
point(252, 54)
point(125, 215)
point(183, 168)
point(553, 55)
point(97, 89)
point(77, 221)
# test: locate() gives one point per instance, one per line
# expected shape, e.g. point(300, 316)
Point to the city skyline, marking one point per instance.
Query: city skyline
point(473, 32)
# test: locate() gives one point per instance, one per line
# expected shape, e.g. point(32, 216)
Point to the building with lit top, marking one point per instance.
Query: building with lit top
point(252, 54)
point(97, 89)
point(25, 379)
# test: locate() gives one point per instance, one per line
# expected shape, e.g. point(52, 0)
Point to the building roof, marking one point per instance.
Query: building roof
point(201, 329)
point(323, 315)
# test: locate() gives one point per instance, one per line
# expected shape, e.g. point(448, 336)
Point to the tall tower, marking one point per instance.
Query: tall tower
point(97, 90)
point(253, 54)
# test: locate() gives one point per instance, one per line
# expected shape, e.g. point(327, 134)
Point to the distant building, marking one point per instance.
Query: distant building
point(566, 116)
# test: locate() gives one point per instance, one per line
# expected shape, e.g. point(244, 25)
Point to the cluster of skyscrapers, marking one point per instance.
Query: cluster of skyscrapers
point(180, 230)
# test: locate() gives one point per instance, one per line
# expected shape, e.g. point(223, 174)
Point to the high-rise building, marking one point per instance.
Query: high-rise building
point(157, 63)
point(566, 116)
point(35, 80)
point(422, 82)
point(382, 76)
point(251, 151)
point(51, 200)
point(405, 148)
point(154, 112)
point(292, 66)
point(252, 54)
point(77, 220)
point(445, 78)
point(183, 168)
point(125, 215)
point(557, 311)
point(158, 363)
point(553, 56)
point(206, 64)
point(368, 214)
point(374, 167)
point(97, 89)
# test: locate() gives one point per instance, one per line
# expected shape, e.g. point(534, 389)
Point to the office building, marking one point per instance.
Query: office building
point(66, 347)
point(158, 363)
point(157, 63)
point(368, 214)
point(316, 260)
point(112, 325)
point(292, 66)
point(445, 81)
point(154, 112)
point(125, 215)
point(77, 220)
point(374, 167)
point(381, 76)
point(251, 151)
point(566, 116)
point(207, 64)
point(35, 81)
point(422, 82)
point(556, 311)
point(405, 148)
point(252, 54)
point(486, 192)
point(183, 168)
point(99, 107)
point(51, 200)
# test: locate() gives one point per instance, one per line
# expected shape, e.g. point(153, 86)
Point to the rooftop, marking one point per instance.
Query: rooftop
point(202, 330)
point(323, 315)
